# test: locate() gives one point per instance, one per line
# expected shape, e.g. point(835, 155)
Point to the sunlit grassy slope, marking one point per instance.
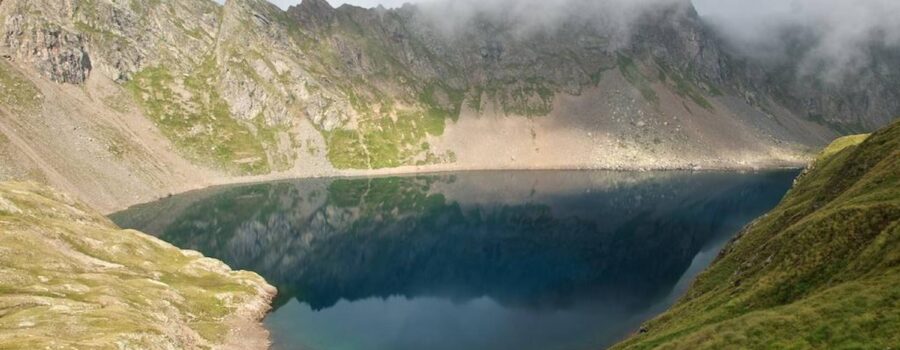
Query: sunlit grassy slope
point(70, 279)
point(822, 270)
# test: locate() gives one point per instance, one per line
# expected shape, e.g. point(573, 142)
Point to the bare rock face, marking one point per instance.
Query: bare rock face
point(250, 74)
point(273, 78)
point(59, 55)
point(317, 13)
point(677, 36)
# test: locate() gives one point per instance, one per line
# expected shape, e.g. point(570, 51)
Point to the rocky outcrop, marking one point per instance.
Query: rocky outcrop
point(59, 55)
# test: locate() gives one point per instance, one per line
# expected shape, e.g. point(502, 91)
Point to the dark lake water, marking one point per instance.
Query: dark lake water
point(493, 260)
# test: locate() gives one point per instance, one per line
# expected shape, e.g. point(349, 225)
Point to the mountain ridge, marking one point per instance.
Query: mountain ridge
point(247, 89)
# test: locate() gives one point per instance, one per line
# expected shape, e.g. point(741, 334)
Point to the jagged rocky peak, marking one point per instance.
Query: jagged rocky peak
point(315, 13)
point(676, 35)
point(314, 6)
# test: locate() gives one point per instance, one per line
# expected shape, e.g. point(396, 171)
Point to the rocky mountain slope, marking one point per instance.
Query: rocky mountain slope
point(134, 99)
point(849, 100)
point(73, 280)
point(819, 271)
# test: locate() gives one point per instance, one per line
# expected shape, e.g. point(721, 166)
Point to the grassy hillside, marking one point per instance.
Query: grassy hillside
point(822, 270)
point(70, 279)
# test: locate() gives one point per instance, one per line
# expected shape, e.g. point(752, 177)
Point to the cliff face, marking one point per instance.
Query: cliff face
point(213, 92)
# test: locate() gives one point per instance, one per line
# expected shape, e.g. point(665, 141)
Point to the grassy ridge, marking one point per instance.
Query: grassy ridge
point(822, 270)
point(70, 279)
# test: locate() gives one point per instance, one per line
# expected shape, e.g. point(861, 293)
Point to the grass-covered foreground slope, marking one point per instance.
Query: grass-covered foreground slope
point(70, 279)
point(822, 270)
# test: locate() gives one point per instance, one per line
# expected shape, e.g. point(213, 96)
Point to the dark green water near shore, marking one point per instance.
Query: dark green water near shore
point(488, 260)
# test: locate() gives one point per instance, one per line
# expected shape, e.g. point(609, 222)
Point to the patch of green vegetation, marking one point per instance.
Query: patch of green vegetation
point(383, 143)
point(840, 145)
point(269, 137)
point(842, 128)
point(685, 86)
point(386, 137)
point(16, 91)
point(530, 97)
point(346, 149)
point(374, 197)
point(820, 271)
point(475, 102)
point(632, 73)
point(391, 138)
point(441, 102)
point(190, 112)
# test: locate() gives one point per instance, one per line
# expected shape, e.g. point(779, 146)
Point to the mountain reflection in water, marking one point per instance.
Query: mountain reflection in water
point(492, 260)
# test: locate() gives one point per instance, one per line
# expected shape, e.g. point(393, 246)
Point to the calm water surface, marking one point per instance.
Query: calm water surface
point(494, 260)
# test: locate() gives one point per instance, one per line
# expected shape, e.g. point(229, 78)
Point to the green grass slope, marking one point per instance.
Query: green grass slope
point(70, 279)
point(822, 270)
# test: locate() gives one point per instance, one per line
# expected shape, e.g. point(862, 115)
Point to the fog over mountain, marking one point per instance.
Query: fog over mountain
point(292, 90)
point(527, 17)
point(838, 35)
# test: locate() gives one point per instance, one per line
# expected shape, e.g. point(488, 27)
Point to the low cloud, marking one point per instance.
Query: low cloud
point(528, 16)
point(835, 37)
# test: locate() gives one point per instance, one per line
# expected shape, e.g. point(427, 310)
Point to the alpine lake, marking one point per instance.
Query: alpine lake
point(527, 260)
